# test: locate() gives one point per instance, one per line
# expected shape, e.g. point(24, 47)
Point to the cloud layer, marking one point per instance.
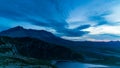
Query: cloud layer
point(104, 18)
point(68, 19)
point(50, 14)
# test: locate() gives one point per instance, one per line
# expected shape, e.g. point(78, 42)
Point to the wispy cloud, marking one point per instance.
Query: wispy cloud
point(104, 29)
point(114, 17)
point(102, 16)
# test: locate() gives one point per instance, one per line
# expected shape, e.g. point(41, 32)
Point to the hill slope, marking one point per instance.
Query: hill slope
point(32, 52)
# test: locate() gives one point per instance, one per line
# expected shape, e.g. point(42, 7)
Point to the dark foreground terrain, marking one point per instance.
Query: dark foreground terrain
point(39, 47)
point(29, 51)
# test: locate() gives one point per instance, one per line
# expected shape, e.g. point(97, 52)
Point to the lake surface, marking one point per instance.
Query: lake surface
point(71, 64)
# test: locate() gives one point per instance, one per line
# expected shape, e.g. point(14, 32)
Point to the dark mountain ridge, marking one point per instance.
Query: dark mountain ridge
point(18, 32)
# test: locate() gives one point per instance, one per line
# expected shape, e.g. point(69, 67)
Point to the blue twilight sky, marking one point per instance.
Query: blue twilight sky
point(92, 20)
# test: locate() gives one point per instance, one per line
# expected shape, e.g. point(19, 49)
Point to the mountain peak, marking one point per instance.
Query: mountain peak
point(18, 27)
point(20, 31)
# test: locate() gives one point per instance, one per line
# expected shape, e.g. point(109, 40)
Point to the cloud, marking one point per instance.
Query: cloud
point(102, 16)
point(99, 19)
point(41, 14)
point(57, 10)
point(92, 13)
point(114, 17)
point(97, 38)
point(74, 33)
point(104, 29)
point(102, 37)
point(83, 27)
point(72, 38)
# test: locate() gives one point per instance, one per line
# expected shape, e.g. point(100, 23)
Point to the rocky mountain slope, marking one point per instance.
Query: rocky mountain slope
point(32, 52)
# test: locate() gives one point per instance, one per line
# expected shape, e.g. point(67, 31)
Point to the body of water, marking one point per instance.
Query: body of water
point(71, 64)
